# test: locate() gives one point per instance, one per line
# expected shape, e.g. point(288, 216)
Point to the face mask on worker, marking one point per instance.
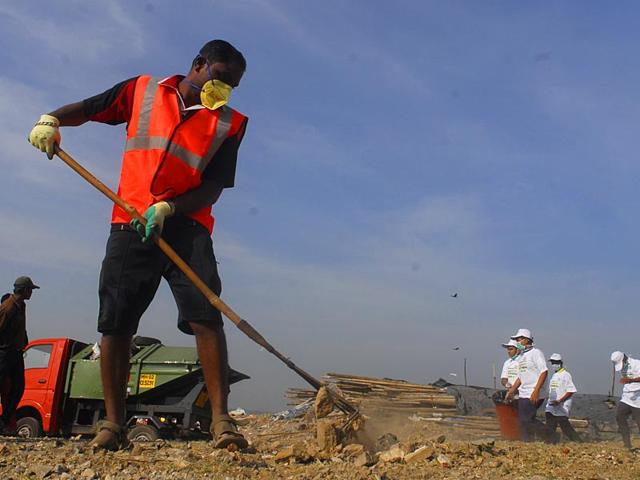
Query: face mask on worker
point(214, 93)
point(625, 368)
point(556, 367)
point(520, 347)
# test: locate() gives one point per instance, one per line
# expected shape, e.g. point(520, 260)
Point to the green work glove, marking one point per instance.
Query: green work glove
point(155, 216)
point(45, 134)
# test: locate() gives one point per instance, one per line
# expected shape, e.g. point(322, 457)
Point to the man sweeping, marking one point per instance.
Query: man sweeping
point(182, 140)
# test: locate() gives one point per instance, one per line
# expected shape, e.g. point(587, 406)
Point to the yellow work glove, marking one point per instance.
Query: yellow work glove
point(155, 216)
point(45, 134)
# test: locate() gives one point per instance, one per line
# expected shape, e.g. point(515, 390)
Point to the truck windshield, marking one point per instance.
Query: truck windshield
point(37, 356)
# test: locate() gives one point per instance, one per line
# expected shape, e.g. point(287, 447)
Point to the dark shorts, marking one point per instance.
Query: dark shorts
point(131, 273)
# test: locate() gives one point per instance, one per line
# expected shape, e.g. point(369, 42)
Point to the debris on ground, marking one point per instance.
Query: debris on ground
point(294, 412)
point(288, 449)
point(309, 441)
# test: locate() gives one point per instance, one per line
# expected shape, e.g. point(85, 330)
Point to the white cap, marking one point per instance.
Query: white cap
point(510, 343)
point(556, 357)
point(616, 358)
point(523, 332)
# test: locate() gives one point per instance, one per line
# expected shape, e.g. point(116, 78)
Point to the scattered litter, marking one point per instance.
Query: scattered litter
point(95, 351)
point(295, 412)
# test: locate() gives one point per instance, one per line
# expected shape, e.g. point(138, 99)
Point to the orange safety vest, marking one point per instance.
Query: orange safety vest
point(164, 155)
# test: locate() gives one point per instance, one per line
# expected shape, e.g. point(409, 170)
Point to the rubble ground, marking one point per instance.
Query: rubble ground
point(288, 449)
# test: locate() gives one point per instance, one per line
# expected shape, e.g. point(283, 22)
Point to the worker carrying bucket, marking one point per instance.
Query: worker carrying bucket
point(530, 386)
point(507, 410)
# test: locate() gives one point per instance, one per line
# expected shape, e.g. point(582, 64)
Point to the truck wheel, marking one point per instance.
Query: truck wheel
point(143, 433)
point(28, 427)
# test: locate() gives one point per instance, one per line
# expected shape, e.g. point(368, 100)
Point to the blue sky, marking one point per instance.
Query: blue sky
point(395, 154)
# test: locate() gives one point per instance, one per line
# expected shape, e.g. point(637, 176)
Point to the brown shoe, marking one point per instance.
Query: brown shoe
point(225, 433)
point(110, 436)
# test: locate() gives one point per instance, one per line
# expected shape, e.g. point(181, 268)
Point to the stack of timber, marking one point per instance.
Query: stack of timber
point(385, 394)
point(485, 424)
point(421, 403)
point(474, 424)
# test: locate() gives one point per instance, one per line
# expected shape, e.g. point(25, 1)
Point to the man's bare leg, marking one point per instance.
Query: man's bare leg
point(114, 370)
point(212, 350)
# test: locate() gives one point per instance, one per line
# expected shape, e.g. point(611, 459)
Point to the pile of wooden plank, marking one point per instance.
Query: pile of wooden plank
point(484, 424)
point(421, 403)
point(385, 394)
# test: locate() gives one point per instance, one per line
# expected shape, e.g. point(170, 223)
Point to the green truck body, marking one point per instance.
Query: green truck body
point(166, 394)
point(151, 367)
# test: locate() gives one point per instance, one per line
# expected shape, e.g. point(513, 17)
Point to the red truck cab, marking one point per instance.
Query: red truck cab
point(46, 361)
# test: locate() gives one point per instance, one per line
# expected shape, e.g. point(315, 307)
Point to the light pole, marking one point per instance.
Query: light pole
point(464, 365)
point(495, 381)
point(465, 371)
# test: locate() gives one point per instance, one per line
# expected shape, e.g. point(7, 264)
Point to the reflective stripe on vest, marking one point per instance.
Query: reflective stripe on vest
point(194, 160)
point(144, 119)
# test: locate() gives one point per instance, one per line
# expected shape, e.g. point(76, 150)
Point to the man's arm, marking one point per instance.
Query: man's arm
point(570, 390)
point(536, 391)
point(561, 400)
point(566, 397)
point(207, 193)
point(113, 106)
point(514, 388)
point(71, 115)
point(625, 380)
point(7, 310)
point(504, 374)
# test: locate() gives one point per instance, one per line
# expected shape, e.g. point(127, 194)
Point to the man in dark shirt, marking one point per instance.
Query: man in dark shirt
point(13, 339)
point(181, 151)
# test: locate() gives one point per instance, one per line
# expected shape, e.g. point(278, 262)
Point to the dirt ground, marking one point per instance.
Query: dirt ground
point(288, 449)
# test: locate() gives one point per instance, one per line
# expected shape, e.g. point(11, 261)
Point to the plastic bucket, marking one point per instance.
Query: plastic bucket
point(507, 415)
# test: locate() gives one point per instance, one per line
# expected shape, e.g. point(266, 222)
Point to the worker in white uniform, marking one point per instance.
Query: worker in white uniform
point(561, 390)
point(630, 400)
point(530, 386)
point(510, 367)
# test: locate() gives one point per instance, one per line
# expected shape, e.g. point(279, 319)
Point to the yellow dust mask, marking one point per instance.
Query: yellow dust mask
point(215, 94)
